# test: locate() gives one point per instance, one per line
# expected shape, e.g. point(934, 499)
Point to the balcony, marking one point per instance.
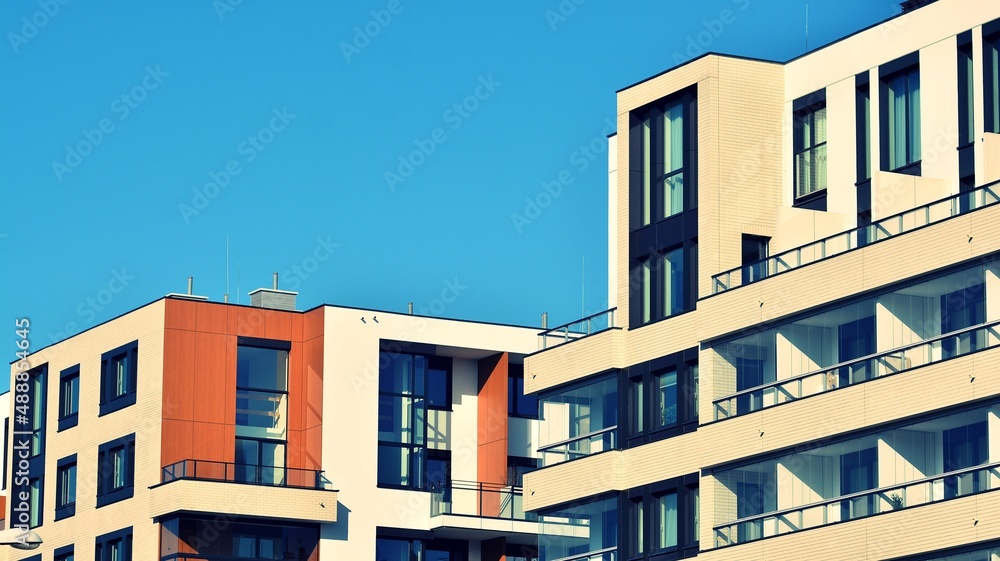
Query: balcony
point(579, 446)
point(576, 330)
point(895, 361)
point(951, 485)
point(200, 486)
point(881, 230)
point(471, 506)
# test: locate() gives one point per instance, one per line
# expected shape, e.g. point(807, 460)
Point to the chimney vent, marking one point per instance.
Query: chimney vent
point(273, 298)
point(190, 295)
point(409, 308)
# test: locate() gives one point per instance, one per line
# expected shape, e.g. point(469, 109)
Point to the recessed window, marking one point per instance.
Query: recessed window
point(662, 519)
point(116, 470)
point(115, 546)
point(35, 501)
point(37, 382)
point(66, 487)
point(69, 397)
point(900, 116)
point(966, 100)
point(810, 151)
point(991, 75)
point(664, 284)
point(663, 397)
point(519, 404)
point(262, 389)
point(119, 377)
point(662, 139)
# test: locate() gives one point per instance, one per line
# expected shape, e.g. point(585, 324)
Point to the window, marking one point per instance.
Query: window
point(519, 404)
point(184, 538)
point(262, 389)
point(810, 148)
point(115, 470)
point(64, 553)
point(599, 518)
point(663, 137)
point(578, 420)
point(37, 378)
point(966, 100)
point(118, 377)
point(900, 116)
point(35, 501)
point(662, 397)
point(66, 487)
point(754, 254)
point(991, 75)
point(863, 127)
point(661, 520)
point(260, 462)
point(404, 549)
point(409, 386)
point(114, 546)
point(665, 280)
point(69, 397)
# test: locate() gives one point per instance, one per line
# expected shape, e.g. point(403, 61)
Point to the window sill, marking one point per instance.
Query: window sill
point(68, 422)
point(909, 169)
point(117, 403)
point(115, 496)
point(65, 511)
point(813, 201)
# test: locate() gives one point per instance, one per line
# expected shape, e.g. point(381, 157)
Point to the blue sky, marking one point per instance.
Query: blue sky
point(374, 152)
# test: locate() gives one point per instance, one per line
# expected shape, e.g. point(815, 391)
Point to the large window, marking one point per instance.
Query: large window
point(119, 376)
point(272, 539)
point(114, 546)
point(661, 520)
point(662, 398)
point(66, 487)
point(409, 386)
point(578, 421)
point(519, 404)
point(991, 75)
point(810, 150)
point(116, 470)
point(665, 283)
point(261, 410)
point(661, 144)
point(403, 549)
point(900, 117)
point(69, 397)
point(578, 529)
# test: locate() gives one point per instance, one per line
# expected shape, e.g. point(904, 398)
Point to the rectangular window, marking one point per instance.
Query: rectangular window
point(262, 389)
point(662, 397)
point(754, 256)
point(260, 462)
point(66, 487)
point(966, 100)
point(578, 421)
point(673, 282)
point(810, 150)
point(863, 125)
point(114, 546)
point(35, 501)
point(119, 377)
point(662, 135)
point(37, 382)
point(64, 553)
point(991, 76)
point(900, 113)
point(116, 470)
point(519, 404)
point(665, 281)
point(69, 397)
point(597, 521)
point(661, 519)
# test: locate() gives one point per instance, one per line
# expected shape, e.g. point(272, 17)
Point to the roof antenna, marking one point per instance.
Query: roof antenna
point(807, 25)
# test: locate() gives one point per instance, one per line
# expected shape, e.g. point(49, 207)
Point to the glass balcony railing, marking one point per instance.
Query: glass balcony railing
point(843, 242)
point(203, 470)
point(579, 446)
point(954, 484)
point(856, 371)
point(596, 323)
point(483, 500)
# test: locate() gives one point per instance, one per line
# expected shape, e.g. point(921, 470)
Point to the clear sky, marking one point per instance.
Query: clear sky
point(374, 152)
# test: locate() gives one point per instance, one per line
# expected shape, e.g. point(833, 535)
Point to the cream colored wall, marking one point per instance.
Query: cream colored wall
point(143, 419)
point(613, 220)
point(350, 447)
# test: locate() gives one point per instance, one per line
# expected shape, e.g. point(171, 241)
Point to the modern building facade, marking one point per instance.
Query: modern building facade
point(195, 430)
point(801, 357)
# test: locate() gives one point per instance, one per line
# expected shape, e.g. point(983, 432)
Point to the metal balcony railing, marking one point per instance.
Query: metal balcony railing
point(204, 470)
point(954, 484)
point(836, 244)
point(483, 500)
point(596, 323)
point(607, 554)
point(579, 446)
point(855, 371)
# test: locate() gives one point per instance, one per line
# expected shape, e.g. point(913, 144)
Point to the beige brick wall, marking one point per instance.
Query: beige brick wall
point(143, 419)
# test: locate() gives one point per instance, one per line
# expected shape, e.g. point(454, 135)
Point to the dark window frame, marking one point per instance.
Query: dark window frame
point(40, 478)
point(103, 543)
point(107, 493)
point(63, 553)
point(966, 90)
point(517, 402)
point(908, 66)
point(644, 377)
point(68, 376)
point(111, 401)
point(991, 79)
point(657, 279)
point(687, 490)
point(805, 109)
point(65, 510)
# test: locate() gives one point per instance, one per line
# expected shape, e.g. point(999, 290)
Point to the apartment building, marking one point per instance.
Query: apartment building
point(196, 430)
point(801, 357)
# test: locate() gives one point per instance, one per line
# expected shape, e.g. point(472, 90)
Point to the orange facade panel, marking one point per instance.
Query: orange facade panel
point(492, 422)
